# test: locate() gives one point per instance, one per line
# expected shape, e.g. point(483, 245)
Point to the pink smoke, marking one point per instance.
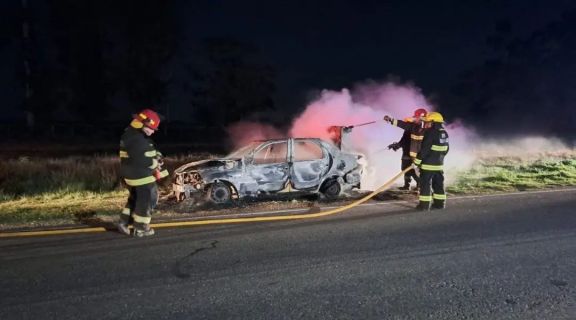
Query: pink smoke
point(245, 132)
point(397, 100)
point(331, 109)
point(368, 102)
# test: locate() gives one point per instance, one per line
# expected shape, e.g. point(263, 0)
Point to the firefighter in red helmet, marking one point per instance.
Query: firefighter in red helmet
point(140, 168)
point(410, 143)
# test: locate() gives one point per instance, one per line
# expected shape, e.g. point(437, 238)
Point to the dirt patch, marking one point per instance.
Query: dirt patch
point(169, 208)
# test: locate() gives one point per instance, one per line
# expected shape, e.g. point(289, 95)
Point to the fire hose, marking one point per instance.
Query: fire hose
point(350, 127)
point(219, 221)
point(361, 124)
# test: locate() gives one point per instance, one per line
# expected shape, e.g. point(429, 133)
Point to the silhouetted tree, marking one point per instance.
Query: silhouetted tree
point(142, 40)
point(529, 84)
point(231, 82)
point(98, 56)
point(77, 84)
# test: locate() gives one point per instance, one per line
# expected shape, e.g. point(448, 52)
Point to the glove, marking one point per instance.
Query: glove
point(388, 119)
point(394, 146)
point(156, 174)
point(416, 169)
point(160, 159)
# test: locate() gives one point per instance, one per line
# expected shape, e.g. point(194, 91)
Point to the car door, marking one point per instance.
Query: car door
point(269, 166)
point(309, 163)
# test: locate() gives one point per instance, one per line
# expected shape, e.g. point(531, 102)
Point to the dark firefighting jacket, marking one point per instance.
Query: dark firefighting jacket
point(139, 158)
point(434, 148)
point(405, 143)
point(416, 135)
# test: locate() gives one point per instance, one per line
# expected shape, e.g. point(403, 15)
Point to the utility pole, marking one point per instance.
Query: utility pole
point(27, 56)
point(167, 119)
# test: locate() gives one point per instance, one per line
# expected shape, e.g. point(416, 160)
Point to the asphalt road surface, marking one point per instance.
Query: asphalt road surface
point(495, 257)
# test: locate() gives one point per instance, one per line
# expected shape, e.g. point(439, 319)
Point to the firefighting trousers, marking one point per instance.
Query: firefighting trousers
point(432, 189)
point(411, 174)
point(141, 202)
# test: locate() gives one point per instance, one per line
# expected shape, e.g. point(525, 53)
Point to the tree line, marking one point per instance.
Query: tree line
point(527, 85)
point(97, 61)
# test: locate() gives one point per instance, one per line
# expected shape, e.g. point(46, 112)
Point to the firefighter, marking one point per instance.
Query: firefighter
point(140, 168)
point(412, 139)
point(406, 160)
point(430, 160)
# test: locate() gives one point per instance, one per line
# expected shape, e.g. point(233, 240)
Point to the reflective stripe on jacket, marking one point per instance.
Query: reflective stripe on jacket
point(416, 135)
point(138, 158)
point(434, 147)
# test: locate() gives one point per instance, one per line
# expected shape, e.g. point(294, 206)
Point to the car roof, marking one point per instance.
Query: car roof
point(284, 139)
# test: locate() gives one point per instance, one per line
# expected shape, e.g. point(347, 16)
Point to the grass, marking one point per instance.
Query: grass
point(66, 190)
point(61, 206)
point(32, 176)
point(38, 190)
point(515, 175)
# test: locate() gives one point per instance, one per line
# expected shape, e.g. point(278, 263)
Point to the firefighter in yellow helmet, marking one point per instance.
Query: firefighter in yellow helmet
point(141, 168)
point(430, 160)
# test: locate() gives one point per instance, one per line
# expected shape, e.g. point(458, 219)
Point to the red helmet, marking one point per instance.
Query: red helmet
point(149, 118)
point(420, 113)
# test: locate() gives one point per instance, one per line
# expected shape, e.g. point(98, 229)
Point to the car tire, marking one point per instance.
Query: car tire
point(220, 193)
point(331, 188)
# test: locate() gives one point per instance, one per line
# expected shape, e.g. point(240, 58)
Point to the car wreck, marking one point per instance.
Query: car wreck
point(270, 167)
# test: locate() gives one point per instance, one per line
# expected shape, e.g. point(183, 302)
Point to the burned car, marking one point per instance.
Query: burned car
point(291, 165)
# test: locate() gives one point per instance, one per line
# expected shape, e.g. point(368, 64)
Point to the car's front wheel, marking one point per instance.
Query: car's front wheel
point(331, 188)
point(220, 193)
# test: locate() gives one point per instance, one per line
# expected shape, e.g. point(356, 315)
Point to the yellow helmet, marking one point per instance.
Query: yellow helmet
point(434, 117)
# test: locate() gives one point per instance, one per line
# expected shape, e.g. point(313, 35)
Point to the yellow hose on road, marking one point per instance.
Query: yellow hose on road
point(218, 221)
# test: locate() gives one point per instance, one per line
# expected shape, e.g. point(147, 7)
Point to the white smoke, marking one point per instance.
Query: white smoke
point(370, 102)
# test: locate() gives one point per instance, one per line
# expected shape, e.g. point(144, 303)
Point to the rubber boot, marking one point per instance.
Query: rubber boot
point(145, 232)
point(438, 205)
point(123, 228)
point(406, 186)
point(423, 206)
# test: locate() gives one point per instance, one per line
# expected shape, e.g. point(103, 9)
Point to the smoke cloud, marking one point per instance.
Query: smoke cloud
point(370, 102)
point(531, 147)
point(245, 132)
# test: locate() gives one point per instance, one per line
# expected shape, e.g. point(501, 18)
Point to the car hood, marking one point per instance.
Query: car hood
point(209, 164)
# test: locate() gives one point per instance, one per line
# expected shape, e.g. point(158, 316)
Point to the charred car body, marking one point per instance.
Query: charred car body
point(303, 165)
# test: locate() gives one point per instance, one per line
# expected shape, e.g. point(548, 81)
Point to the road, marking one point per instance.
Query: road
point(495, 257)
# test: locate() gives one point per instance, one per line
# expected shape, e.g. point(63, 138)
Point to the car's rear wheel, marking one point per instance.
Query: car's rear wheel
point(220, 193)
point(331, 188)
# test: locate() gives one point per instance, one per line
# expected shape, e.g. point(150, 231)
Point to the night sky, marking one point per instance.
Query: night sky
point(329, 44)
point(334, 44)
